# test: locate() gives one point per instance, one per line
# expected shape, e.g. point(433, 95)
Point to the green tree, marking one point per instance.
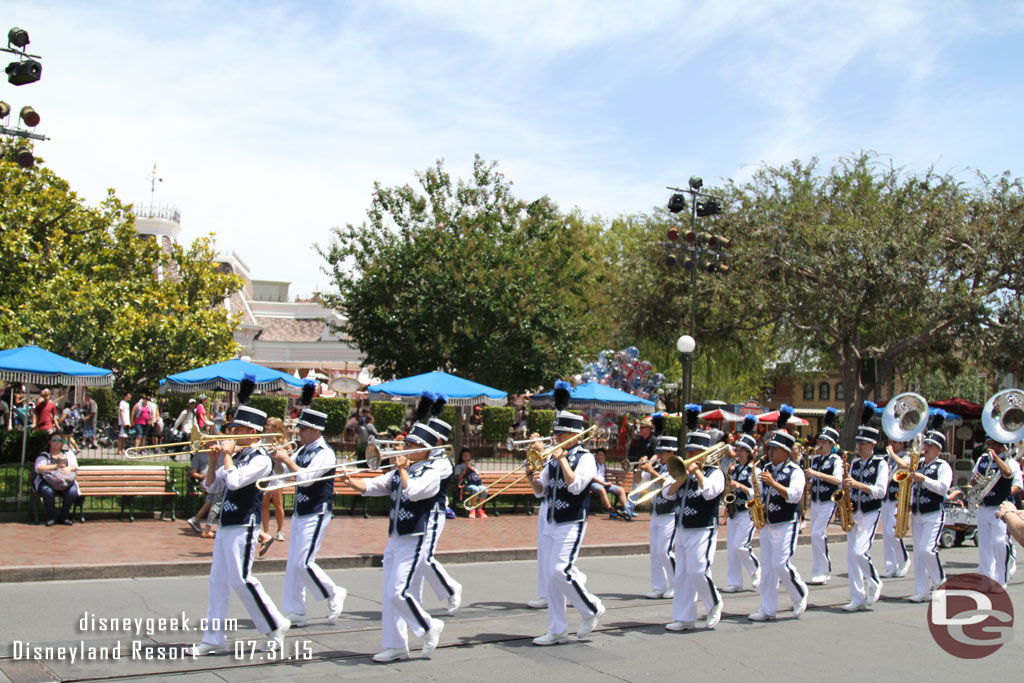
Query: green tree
point(465, 277)
point(866, 260)
point(79, 281)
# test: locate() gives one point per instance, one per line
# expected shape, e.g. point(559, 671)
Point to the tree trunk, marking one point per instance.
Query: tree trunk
point(856, 393)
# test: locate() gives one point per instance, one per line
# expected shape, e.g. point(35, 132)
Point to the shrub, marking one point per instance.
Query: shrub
point(540, 421)
point(672, 427)
point(273, 406)
point(387, 414)
point(10, 446)
point(337, 414)
point(497, 420)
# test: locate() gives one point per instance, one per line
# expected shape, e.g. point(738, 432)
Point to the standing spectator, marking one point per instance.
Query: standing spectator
point(55, 475)
point(5, 413)
point(141, 420)
point(46, 413)
point(69, 420)
point(218, 418)
point(183, 425)
point(124, 422)
point(18, 410)
point(89, 414)
point(156, 421)
point(201, 421)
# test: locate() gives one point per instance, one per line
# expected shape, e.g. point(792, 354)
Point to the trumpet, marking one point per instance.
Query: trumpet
point(280, 481)
point(512, 444)
point(677, 469)
point(198, 439)
point(535, 460)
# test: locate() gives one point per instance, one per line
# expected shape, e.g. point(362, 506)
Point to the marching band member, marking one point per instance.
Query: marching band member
point(541, 600)
point(413, 486)
point(430, 569)
point(932, 480)
point(663, 521)
point(996, 557)
point(697, 521)
point(897, 559)
point(782, 490)
point(565, 483)
point(867, 480)
point(740, 527)
point(310, 519)
point(243, 462)
point(825, 473)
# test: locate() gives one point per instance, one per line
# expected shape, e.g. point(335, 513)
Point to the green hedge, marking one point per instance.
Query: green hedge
point(497, 421)
point(10, 446)
point(672, 426)
point(540, 421)
point(273, 406)
point(387, 414)
point(337, 410)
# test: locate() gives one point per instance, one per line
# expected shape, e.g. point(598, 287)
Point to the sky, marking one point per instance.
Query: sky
point(269, 122)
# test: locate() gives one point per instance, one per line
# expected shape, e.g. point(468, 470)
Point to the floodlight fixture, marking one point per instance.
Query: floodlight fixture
point(29, 116)
point(18, 37)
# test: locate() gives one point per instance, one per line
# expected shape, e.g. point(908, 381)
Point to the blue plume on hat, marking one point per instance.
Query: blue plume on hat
point(423, 408)
point(308, 391)
point(692, 413)
point(749, 423)
point(939, 419)
point(439, 402)
point(830, 417)
point(658, 420)
point(248, 385)
point(562, 394)
point(785, 412)
point(869, 412)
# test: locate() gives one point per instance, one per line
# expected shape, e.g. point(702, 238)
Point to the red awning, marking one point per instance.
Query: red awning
point(719, 415)
point(774, 417)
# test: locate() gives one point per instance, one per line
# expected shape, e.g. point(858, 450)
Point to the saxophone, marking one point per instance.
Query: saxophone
point(730, 494)
point(842, 497)
point(755, 504)
point(903, 478)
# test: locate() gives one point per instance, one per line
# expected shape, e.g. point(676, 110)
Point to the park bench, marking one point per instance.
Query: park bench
point(127, 482)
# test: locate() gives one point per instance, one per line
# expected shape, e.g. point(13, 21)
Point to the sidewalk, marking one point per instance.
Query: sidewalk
point(119, 549)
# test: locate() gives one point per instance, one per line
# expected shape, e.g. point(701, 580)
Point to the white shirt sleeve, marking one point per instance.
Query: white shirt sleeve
point(940, 485)
point(585, 470)
point(319, 466)
point(714, 484)
point(881, 483)
point(241, 476)
point(426, 484)
point(795, 490)
point(379, 485)
point(1016, 479)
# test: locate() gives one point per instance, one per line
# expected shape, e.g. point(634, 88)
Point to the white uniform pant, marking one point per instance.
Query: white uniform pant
point(695, 553)
point(927, 528)
point(399, 606)
point(663, 558)
point(858, 553)
point(996, 557)
point(561, 546)
point(896, 555)
point(233, 551)
point(303, 574)
point(739, 534)
point(821, 516)
point(542, 522)
point(778, 542)
point(429, 569)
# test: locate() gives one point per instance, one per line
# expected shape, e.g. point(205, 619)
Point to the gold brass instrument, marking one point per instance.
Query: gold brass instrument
point(905, 417)
point(906, 483)
point(841, 497)
point(198, 439)
point(730, 494)
point(755, 505)
point(535, 460)
point(677, 469)
point(280, 481)
point(1003, 419)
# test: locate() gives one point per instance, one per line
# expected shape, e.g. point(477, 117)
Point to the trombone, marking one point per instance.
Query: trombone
point(280, 481)
point(197, 440)
point(677, 467)
point(535, 460)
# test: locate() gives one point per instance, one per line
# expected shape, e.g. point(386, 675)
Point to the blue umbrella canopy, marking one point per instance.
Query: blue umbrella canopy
point(460, 392)
point(600, 396)
point(228, 376)
point(38, 366)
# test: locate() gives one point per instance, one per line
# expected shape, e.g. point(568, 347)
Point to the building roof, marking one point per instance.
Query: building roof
point(290, 329)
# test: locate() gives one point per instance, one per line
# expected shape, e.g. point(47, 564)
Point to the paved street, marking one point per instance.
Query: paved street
point(490, 637)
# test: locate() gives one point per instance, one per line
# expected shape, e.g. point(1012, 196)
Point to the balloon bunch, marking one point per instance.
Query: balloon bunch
point(625, 371)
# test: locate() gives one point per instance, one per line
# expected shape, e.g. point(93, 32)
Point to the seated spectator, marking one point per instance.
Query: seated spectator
point(469, 479)
point(275, 425)
point(212, 504)
point(602, 488)
point(197, 472)
point(55, 476)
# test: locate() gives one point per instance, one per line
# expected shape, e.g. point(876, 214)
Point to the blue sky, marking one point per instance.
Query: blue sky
point(270, 121)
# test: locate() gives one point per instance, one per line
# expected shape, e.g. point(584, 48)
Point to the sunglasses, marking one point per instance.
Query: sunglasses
point(57, 439)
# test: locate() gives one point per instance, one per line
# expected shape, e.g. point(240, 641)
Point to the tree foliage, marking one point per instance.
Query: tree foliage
point(79, 281)
point(465, 277)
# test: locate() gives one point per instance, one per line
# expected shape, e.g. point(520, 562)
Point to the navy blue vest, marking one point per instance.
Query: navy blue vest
point(662, 505)
point(866, 472)
point(240, 506)
point(831, 464)
point(318, 496)
point(894, 486)
point(565, 507)
point(741, 474)
point(409, 516)
point(921, 499)
point(1001, 491)
point(777, 508)
point(697, 511)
